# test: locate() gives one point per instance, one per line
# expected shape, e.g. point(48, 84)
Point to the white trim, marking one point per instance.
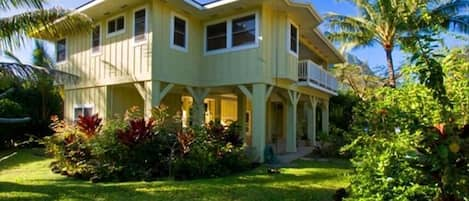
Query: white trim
point(66, 51)
point(289, 24)
point(116, 33)
point(145, 35)
point(171, 34)
point(99, 52)
point(83, 107)
point(210, 5)
point(229, 34)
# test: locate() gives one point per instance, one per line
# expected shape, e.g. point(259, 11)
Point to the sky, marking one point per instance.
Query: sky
point(375, 56)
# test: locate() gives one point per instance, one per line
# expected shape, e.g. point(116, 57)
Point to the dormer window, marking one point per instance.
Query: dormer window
point(61, 50)
point(293, 39)
point(140, 25)
point(116, 26)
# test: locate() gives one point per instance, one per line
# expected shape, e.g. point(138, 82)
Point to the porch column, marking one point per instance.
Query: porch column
point(242, 114)
point(199, 95)
point(218, 108)
point(152, 96)
point(258, 119)
point(311, 120)
point(152, 93)
point(294, 97)
point(325, 117)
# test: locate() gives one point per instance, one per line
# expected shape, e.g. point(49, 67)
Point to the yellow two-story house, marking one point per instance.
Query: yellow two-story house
point(260, 62)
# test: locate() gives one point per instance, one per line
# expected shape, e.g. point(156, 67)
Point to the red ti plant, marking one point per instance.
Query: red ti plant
point(137, 132)
point(89, 125)
point(185, 139)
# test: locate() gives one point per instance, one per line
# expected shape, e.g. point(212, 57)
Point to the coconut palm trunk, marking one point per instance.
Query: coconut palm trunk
point(390, 65)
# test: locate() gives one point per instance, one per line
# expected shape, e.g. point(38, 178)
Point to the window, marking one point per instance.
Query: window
point(140, 25)
point(293, 37)
point(116, 26)
point(244, 31)
point(96, 40)
point(179, 37)
point(233, 34)
point(61, 50)
point(84, 111)
point(216, 36)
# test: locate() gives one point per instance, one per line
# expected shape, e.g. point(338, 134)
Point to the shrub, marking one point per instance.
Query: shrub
point(10, 109)
point(132, 148)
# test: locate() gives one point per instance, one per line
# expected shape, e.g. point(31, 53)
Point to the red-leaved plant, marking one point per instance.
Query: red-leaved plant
point(89, 125)
point(137, 132)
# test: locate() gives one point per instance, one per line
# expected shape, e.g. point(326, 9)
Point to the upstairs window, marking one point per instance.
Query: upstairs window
point(96, 40)
point(61, 50)
point(233, 34)
point(179, 36)
point(244, 31)
point(293, 38)
point(140, 25)
point(216, 36)
point(116, 26)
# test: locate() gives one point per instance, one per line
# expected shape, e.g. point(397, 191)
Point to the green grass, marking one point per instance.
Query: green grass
point(26, 176)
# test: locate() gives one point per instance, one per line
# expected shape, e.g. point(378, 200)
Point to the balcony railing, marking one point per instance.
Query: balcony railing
point(315, 76)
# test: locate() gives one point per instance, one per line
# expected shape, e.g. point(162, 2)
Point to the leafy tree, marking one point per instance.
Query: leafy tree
point(36, 22)
point(383, 22)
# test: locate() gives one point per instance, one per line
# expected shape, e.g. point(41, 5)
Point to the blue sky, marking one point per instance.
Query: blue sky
point(374, 56)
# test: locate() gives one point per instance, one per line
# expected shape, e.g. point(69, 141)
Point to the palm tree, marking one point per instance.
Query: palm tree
point(382, 22)
point(37, 22)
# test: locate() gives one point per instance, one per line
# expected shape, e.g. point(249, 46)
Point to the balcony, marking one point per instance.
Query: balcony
point(312, 75)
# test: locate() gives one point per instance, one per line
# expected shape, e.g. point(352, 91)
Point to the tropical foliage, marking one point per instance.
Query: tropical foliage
point(387, 22)
point(133, 148)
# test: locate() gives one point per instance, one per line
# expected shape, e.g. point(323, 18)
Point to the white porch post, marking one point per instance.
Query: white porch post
point(242, 114)
point(199, 95)
point(294, 97)
point(311, 120)
point(258, 119)
point(325, 117)
point(152, 96)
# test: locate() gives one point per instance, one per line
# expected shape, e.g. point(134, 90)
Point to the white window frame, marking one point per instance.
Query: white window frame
point(97, 53)
point(66, 51)
point(116, 33)
point(82, 107)
point(145, 34)
point(289, 25)
point(171, 40)
point(229, 36)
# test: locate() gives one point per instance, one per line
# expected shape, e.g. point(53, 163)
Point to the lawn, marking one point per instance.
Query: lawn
point(26, 176)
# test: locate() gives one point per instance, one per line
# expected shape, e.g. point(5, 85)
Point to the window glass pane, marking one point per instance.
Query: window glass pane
point(61, 50)
point(244, 30)
point(96, 39)
point(78, 112)
point(216, 36)
point(120, 23)
point(111, 26)
point(293, 39)
point(140, 18)
point(179, 32)
point(88, 111)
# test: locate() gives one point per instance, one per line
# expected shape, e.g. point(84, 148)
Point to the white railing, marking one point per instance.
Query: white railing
point(316, 76)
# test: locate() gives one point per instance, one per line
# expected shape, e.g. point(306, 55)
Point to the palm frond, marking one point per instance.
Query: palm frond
point(9, 4)
point(11, 56)
point(41, 56)
point(20, 72)
point(48, 24)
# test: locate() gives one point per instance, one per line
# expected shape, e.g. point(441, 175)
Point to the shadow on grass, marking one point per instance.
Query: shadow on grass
point(21, 157)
